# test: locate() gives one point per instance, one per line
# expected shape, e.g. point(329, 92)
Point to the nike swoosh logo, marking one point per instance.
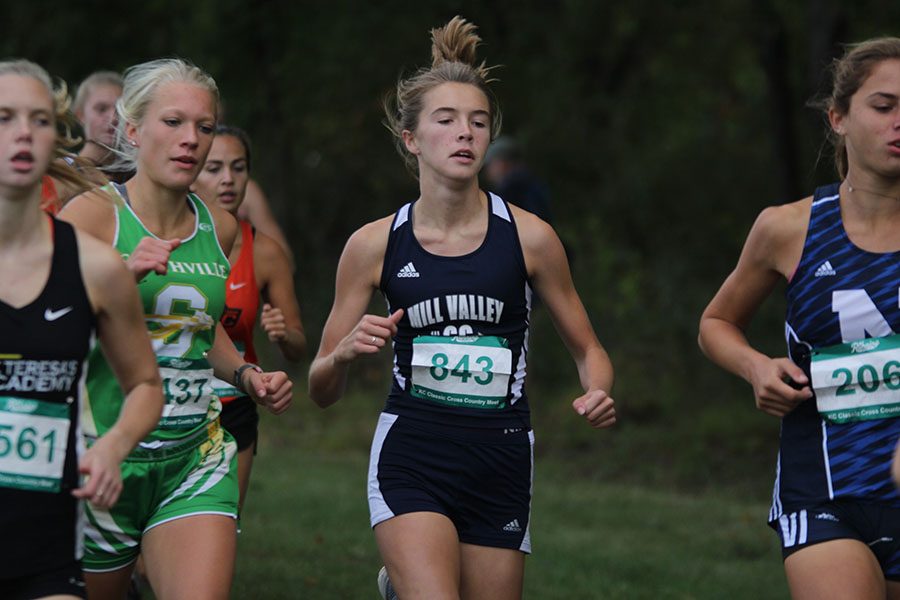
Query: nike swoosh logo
point(236, 286)
point(52, 315)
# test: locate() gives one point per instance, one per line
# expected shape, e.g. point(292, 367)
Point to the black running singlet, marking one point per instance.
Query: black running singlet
point(43, 346)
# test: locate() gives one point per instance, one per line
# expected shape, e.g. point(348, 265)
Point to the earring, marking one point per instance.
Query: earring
point(133, 143)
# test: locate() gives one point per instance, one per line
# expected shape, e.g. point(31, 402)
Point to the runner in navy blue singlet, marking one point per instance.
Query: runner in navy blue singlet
point(450, 473)
point(835, 507)
point(62, 291)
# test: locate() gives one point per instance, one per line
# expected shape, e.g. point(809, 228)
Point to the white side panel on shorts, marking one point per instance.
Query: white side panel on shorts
point(794, 529)
point(378, 508)
point(526, 541)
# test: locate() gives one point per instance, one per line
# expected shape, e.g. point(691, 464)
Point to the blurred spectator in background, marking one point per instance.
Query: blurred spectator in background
point(507, 175)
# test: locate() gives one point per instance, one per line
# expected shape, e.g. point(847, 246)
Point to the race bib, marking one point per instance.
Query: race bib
point(858, 381)
point(468, 372)
point(187, 387)
point(34, 435)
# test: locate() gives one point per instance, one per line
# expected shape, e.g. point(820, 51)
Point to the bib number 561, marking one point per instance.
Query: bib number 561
point(25, 444)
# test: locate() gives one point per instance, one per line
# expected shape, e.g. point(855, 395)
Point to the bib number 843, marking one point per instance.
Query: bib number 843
point(440, 368)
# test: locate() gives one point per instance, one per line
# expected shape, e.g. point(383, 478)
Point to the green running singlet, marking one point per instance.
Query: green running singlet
point(181, 310)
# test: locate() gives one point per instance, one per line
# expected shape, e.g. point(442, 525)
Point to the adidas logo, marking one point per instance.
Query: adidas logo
point(513, 526)
point(408, 271)
point(824, 516)
point(825, 270)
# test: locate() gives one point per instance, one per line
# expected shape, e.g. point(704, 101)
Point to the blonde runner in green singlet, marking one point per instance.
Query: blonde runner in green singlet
point(181, 309)
point(180, 490)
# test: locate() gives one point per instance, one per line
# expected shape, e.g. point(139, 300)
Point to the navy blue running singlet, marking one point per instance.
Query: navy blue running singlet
point(461, 346)
point(843, 316)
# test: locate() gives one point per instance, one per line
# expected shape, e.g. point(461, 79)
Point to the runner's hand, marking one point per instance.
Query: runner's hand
point(102, 475)
point(151, 254)
point(368, 337)
point(597, 407)
point(772, 380)
point(272, 321)
point(272, 390)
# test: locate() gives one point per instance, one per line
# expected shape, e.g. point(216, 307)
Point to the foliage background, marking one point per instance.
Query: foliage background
point(661, 128)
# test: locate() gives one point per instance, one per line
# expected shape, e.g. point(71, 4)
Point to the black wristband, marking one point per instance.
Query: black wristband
point(239, 373)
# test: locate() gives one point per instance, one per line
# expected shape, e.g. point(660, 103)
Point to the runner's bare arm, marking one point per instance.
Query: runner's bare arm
point(280, 317)
point(126, 345)
point(771, 252)
point(548, 269)
point(349, 331)
point(257, 210)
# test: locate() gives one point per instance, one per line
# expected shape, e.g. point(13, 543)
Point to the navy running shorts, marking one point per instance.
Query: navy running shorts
point(876, 526)
point(478, 478)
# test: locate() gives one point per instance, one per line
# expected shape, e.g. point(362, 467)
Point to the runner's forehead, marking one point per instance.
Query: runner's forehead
point(20, 92)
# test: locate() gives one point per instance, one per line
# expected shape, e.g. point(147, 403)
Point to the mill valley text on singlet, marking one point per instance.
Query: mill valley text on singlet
point(461, 347)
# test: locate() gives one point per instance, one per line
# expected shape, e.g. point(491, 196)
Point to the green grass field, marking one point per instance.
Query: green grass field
point(611, 519)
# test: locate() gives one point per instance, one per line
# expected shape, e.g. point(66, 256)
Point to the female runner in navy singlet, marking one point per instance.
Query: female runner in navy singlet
point(61, 288)
point(835, 507)
point(451, 466)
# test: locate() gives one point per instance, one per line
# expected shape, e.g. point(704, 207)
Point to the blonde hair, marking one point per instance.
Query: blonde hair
point(63, 119)
point(141, 83)
point(453, 60)
point(849, 73)
point(91, 81)
point(59, 95)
